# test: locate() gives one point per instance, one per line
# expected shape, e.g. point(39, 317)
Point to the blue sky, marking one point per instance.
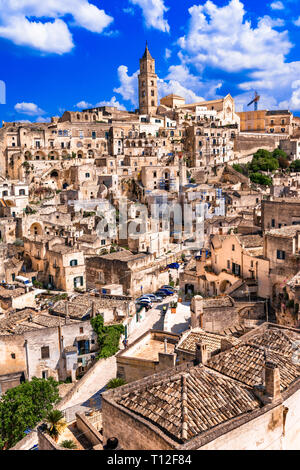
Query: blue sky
point(67, 54)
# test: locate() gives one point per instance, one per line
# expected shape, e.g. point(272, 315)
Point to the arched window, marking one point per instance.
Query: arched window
point(74, 262)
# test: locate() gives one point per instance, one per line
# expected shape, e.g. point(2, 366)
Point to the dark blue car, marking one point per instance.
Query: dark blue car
point(174, 266)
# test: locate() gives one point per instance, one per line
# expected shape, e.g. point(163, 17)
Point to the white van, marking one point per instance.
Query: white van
point(24, 281)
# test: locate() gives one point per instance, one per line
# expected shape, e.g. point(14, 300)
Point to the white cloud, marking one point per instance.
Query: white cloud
point(153, 11)
point(173, 86)
point(31, 109)
point(277, 6)
point(297, 22)
point(51, 35)
point(128, 88)
point(179, 81)
point(221, 37)
point(112, 102)
point(47, 37)
point(83, 105)
point(42, 119)
point(168, 53)
point(272, 22)
point(129, 11)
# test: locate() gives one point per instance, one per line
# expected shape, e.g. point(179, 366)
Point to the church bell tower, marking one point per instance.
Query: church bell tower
point(147, 84)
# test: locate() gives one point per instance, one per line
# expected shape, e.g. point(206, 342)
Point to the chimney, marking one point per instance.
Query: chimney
point(272, 381)
point(67, 316)
point(197, 312)
point(94, 310)
point(201, 353)
point(225, 344)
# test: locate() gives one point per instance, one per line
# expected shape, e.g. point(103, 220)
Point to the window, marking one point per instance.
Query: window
point(78, 281)
point(83, 347)
point(93, 135)
point(280, 254)
point(81, 329)
point(87, 175)
point(233, 247)
point(45, 374)
point(273, 222)
point(45, 353)
point(228, 264)
point(13, 356)
point(236, 269)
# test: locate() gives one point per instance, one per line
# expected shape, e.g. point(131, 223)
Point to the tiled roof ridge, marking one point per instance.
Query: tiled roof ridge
point(184, 412)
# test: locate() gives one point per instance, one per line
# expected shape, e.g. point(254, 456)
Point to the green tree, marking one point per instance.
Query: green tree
point(261, 179)
point(55, 423)
point(108, 336)
point(115, 383)
point(295, 166)
point(22, 407)
point(263, 161)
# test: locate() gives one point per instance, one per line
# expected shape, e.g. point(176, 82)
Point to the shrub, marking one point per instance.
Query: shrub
point(108, 337)
point(68, 444)
point(115, 383)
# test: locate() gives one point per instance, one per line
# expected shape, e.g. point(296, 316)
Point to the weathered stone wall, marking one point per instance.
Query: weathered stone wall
point(132, 434)
point(90, 432)
point(282, 212)
point(248, 144)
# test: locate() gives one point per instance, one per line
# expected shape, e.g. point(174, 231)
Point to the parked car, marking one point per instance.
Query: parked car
point(147, 305)
point(152, 297)
point(145, 299)
point(174, 266)
point(162, 294)
point(167, 291)
point(169, 288)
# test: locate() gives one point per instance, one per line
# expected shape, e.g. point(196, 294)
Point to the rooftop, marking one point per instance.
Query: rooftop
point(246, 361)
point(212, 340)
point(186, 403)
point(285, 232)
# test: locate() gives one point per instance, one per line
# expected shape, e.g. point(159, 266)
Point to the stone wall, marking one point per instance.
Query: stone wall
point(248, 144)
point(86, 426)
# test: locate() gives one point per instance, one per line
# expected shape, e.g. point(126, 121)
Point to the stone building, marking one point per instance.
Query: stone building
point(242, 398)
point(279, 212)
point(209, 145)
point(281, 248)
point(36, 344)
point(242, 256)
point(57, 264)
point(152, 352)
point(137, 273)
point(279, 122)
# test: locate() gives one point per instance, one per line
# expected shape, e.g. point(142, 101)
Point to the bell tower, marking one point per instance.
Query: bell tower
point(147, 84)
